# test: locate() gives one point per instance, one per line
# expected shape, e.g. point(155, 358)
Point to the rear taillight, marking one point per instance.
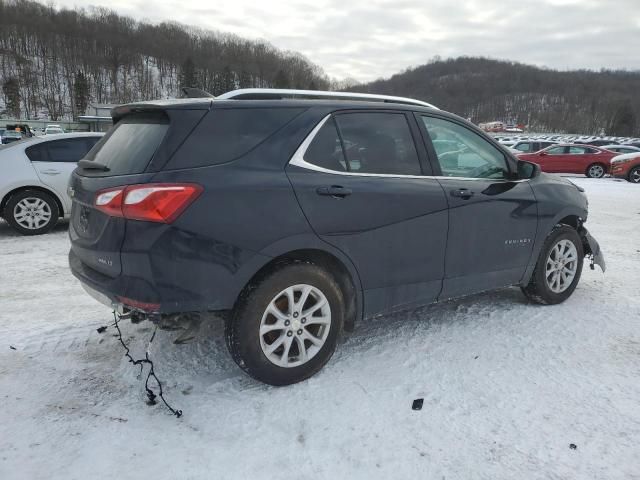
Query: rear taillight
point(152, 202)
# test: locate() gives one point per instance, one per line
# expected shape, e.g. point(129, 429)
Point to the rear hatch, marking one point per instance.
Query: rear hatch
point(143, 138)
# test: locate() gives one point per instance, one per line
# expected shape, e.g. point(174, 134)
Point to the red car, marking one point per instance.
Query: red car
point(627, 166)
point(587, 160)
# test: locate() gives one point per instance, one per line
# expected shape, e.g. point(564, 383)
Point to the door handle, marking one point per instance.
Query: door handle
point(464, 193)
point(334, 191)
point(50, 172)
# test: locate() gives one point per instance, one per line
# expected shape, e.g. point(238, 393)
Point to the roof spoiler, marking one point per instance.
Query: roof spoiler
point(191, 92)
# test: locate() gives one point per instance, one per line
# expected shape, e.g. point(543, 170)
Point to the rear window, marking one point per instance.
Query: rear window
point(129, 146)
point(227, 134)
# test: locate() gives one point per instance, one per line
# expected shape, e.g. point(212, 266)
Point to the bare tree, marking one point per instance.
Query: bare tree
point(43, 49)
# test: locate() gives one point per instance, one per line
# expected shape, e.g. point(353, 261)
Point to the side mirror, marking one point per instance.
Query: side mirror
point(542, 154)
point(528, 169)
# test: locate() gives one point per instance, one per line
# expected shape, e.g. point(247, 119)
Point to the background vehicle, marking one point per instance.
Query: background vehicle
point(507, 142)
point(2, 130)
point(35, 175)
point(595, 143)
point(626, 166)
point(299, 217)
point(529, 146)
point(23, 128)
point(53, 130)
point(11, 136)
point(586, 160)
point(621, 148)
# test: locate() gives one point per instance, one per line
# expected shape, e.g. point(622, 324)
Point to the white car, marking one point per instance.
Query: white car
point(35, 174)
point(621, 148)
point(53, 130)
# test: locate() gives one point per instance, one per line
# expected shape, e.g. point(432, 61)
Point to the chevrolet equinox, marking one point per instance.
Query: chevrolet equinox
point(299, 213)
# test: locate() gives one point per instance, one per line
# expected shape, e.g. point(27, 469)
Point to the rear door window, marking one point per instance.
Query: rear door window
point(556, 151)
point(68, 150)
point(378, 143)
point(577, 150)
point(129, 146)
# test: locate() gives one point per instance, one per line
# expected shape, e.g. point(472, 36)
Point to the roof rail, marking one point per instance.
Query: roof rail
point(280, 93)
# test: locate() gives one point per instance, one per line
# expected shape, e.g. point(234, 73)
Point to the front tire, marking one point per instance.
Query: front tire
point(32, 212)
point(596, 170)
point(634, 175)
point(286, 325)
point(559, 267)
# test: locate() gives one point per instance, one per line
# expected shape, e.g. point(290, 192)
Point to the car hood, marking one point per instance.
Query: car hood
point(626, 156)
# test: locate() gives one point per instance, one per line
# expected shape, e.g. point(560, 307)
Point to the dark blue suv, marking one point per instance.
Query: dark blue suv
point(298, 217)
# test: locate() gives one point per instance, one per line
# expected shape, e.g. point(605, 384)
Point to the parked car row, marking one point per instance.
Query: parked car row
point(510, 140)
point(595, 162)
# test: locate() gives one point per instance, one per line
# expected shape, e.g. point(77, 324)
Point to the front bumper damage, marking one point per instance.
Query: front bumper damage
point(592, 249)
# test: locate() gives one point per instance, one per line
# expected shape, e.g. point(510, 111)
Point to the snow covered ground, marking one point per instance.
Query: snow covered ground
point(507, 385)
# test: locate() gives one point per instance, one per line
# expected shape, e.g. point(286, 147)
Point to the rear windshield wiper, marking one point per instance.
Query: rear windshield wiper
point(91, 165)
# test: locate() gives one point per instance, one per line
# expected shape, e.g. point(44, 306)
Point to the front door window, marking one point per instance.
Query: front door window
point(463, 153)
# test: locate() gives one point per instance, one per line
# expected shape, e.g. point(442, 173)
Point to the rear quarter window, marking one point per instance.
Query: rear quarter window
point(227, 134)
point(38, 153)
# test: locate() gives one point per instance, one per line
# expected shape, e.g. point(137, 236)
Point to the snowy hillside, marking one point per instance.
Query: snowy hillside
point(53, 62)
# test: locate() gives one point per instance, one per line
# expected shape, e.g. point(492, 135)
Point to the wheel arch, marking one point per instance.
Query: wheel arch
point(338, 266)
point(16, 190)
point(631, 170)
point(571, 217)
point(573, 220)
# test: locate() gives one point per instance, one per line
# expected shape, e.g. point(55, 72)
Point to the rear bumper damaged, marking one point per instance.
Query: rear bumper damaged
point(592, 249)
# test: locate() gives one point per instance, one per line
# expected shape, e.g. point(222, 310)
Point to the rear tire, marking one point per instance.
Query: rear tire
point(278, 341)
point(596, 170)
point(556, 275)
point(31, 212)
point(634, 175)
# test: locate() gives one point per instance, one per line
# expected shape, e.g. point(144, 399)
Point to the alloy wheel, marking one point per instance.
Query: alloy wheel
point(32, 213)
point(295, 325)
point(634, 176)
point(596, 171)
point(561, 266)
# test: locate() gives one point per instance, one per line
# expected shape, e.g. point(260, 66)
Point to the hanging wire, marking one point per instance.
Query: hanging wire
point(151, 395)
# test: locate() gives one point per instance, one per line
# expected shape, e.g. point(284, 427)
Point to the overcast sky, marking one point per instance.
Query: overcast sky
point(367, 39)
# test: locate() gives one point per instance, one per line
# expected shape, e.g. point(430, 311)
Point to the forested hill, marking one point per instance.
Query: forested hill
point(547, 100)
point(53, 62)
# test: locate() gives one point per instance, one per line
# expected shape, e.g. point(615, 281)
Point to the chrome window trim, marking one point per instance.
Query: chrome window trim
point(298, 160)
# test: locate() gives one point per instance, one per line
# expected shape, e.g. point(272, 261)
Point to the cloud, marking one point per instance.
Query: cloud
point(368, 39)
